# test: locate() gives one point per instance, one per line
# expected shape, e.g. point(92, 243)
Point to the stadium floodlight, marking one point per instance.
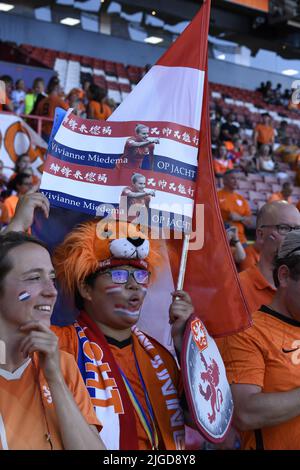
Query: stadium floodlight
point(153, 40)
point(6, 6)
point(70, 21)
point(290, 72)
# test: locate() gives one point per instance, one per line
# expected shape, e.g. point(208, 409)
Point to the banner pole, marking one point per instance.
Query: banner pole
point(183, 261)
point(182, 268)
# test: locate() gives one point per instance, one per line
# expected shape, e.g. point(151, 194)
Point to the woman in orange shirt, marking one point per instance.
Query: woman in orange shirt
point(96, 108)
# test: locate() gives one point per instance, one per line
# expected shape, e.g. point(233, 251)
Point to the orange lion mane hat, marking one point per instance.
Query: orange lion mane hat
point(89, 244)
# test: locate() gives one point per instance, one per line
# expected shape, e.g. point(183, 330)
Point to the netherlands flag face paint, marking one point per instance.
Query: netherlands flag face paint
point(113, 289)
point(24, 296)
point(127, 311)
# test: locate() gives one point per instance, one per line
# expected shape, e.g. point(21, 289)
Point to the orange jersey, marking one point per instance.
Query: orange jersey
point(234, 202)
point(256, 288)
point(46, 108)
point(26, 405)
point(4, 215)
point(123, 355)
point(252, 257)
point(265, 134)
point(279, 197)
point(98, 110)
point(267, 355)
point(11, 203)
point(221, 165)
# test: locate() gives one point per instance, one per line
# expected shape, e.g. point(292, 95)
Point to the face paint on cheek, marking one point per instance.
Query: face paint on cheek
point(112, 289)
point(24, 296)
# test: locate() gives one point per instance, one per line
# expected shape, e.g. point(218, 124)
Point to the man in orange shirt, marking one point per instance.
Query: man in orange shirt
point(44, 404)
point(274, 221)
point(46, 107)
point(234, 207)
point(284, 194)
point(262, 363)
point(264, 132)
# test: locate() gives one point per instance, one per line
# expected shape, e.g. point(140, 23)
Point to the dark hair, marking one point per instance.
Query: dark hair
point(90, 281)
point(7, 79)
point(52, 84)
point(36, 81)
point(20, 157)
point(8, 242)
point(19, 179)
point(292, 262)
point(97, 93)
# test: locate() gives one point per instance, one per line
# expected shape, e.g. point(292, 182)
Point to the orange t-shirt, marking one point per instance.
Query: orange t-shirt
point(4, 215)
point(22, 415)
point(279, 197)
point(234, 202)
point(262, 355)
point(98, 111)
point(11, 203)
point(46, 108)
point(265, 134)
point(68, 341)
point(256, 288)
point(252, 257)
point(221, 166)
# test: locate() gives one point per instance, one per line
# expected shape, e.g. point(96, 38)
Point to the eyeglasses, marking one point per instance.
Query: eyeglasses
point(121, 276)
point(282, 229)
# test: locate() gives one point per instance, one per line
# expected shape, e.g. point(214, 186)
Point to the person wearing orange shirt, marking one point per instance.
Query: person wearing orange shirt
point(96, 108)
point(284, 194)
point(135, 198)
point(222, 162)
point(44, 404)
point(262, 363)
point(264, 132)
point(109, 278)
point(4, 217)
point(234, 207)
point(274, 221)
point(46, 107)
point(22, 183)
point(139, 150)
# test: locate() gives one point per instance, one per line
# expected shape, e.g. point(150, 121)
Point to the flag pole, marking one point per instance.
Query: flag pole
point(183, 261)
point(182, 268)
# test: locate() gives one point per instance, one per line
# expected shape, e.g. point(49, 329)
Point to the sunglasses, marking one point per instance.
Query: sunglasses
point(121, 276)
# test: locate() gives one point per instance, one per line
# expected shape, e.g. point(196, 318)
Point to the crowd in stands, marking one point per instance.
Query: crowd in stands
point(90, 101)
point(275, 95)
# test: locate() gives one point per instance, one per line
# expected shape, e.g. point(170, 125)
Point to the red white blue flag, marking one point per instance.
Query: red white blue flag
point(172, 102)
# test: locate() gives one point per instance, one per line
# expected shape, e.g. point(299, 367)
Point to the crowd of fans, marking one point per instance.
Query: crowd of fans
point(253, 358)
point(275, 95)
point(90, 101)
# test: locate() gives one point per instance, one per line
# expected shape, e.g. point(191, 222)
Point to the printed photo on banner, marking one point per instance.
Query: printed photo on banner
point(129, 170)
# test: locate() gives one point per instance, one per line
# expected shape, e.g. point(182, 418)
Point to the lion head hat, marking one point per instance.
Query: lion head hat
point(95, 246)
